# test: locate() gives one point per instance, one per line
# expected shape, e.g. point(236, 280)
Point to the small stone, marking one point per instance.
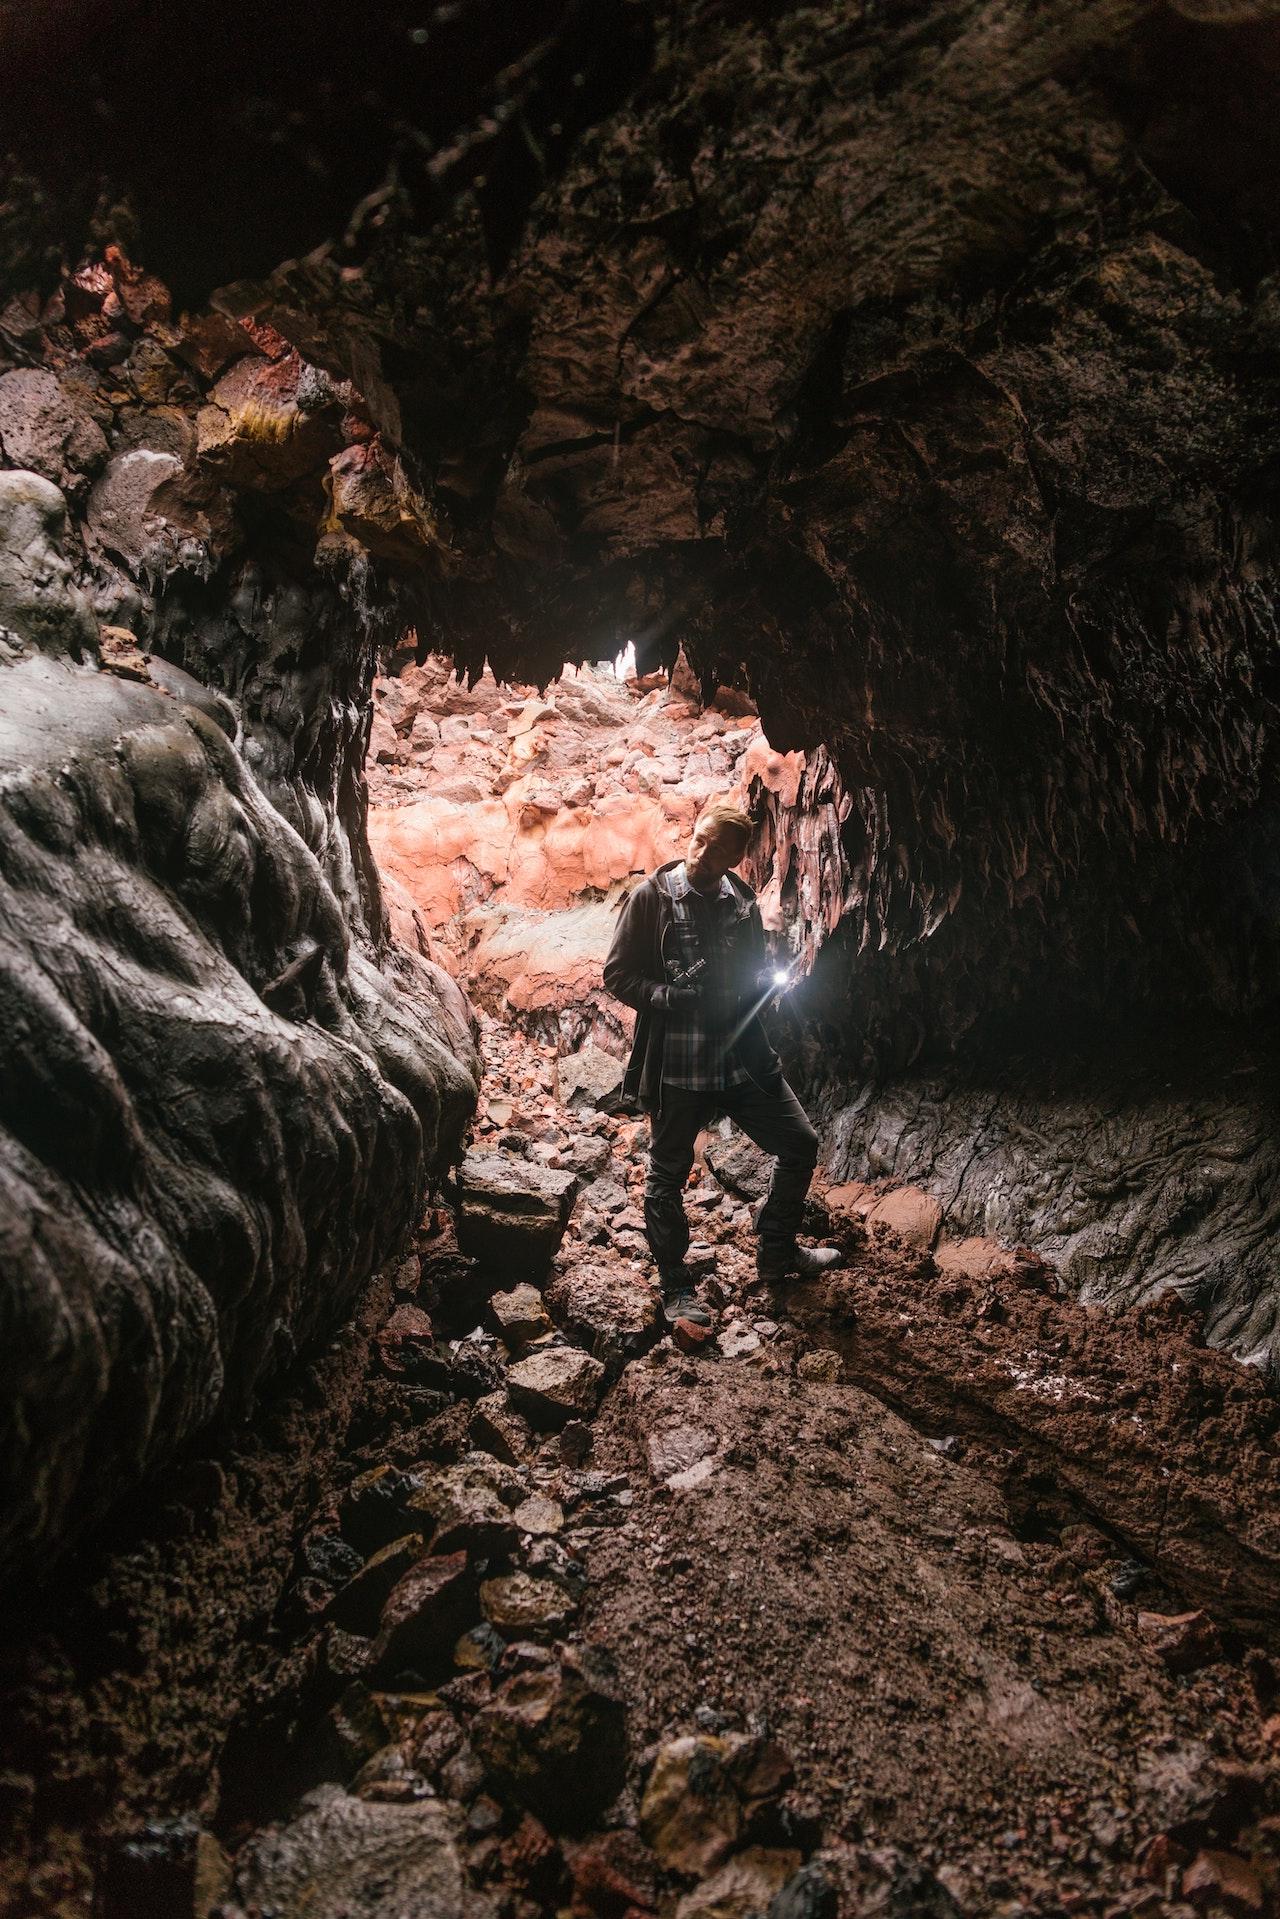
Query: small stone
point(539, 1516)
point(467, 1506)
point(677, 1448)
point(821, 1365)
point(554, 1738)
point(519, 1317)
point(495, 1427)
point(480, 1649)
point(589, 1078)
point(744, 1885)
point(612, 1311)
point(613, 1872)
point(690, 1813)
point(358, 1607)
point(1184, 1641)
point(406, 1343)
point(556, 1384)
point(691, 1338)
point(737, 1340)
point(1223, 1877)
point(521, 1603)
point(424, 1615)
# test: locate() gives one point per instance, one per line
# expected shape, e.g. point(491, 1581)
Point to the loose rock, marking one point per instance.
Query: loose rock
point(344, 1855)
point(424, 1614)
point(555, 1385)
point(555, 1738)
point(513, 1214)
point(519, 1317)
point(520, 1603)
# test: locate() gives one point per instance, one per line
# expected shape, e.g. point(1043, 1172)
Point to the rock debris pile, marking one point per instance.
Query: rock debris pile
point(836, 1607)
point(509, 821)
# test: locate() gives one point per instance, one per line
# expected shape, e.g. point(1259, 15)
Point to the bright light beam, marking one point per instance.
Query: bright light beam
point(779, 982)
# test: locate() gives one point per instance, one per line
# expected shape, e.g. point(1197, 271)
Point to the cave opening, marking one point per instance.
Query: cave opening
point(440, 451)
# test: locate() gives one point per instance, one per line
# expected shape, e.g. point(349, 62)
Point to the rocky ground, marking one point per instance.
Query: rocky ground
point(925, 1592)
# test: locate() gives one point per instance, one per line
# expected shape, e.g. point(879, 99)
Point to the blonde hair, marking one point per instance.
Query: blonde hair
point(726, 812)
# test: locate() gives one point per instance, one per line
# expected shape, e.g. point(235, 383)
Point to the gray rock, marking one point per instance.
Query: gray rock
point(512, 1213)
point(348, 1858)
point(194, 1185)
point(556, 1384)
point(38, 596)
point(739, 1165)
point(589, 1079)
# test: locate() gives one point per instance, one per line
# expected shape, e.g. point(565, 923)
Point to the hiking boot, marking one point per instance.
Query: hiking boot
point(679, 1301)
point(799, 1262)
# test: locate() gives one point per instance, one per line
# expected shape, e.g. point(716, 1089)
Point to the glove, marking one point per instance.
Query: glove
point(674, 999)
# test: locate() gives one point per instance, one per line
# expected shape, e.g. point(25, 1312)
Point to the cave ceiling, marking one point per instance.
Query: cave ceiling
point(913, 363)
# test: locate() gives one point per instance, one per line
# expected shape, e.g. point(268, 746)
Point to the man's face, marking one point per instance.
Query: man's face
point(715, 847)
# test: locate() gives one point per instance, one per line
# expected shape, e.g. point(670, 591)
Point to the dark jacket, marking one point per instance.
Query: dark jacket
point(636, 972)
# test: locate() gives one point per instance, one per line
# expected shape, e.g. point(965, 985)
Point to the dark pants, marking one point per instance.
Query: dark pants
point(775, 1121)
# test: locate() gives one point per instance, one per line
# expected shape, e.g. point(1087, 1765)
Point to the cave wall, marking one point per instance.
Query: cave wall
point(223, 1089)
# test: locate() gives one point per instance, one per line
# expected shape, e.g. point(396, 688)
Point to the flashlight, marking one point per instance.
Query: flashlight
point(781, 978)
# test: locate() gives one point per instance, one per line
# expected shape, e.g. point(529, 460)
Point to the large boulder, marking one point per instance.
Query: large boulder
point(512, 1214)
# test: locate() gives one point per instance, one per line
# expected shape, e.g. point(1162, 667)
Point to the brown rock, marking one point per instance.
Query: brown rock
point(497, 1428)
point(691, 1338)
point(357, 1607)
point(539, 1516)
point(556, 1384)
point(610, 1309)
point(520, 1603)
point(519, 1317)
point(744, 1885)
point(1223, 1878)
point(467, 1506)
point(822, 1364)
point(554, 1738)
point(425, 1613)
point(612, 1873)
point(1185, 1641)
point(912, 1214)
point(691, 1813)
point(405, 1341)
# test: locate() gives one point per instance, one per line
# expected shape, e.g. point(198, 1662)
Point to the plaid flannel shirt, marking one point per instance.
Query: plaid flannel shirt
point(699, 1055)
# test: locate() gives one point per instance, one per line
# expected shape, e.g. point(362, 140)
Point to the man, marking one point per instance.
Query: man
point(689, 956)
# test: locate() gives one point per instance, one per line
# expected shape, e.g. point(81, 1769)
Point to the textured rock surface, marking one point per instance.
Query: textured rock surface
point(221, 1096)
point(512, 1215)
point(344, 1856)
point(1133, 1176)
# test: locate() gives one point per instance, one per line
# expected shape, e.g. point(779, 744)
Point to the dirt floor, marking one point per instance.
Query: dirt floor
point(909, 1593)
